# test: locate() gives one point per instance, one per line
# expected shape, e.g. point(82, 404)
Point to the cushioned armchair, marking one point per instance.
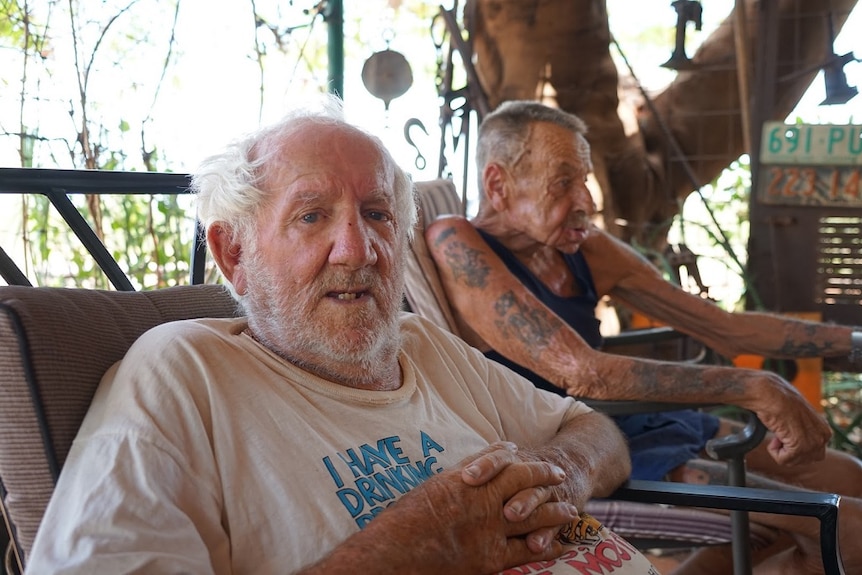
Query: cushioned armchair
point(55, 344)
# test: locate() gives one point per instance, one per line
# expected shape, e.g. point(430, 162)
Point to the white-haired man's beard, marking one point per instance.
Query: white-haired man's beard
point(287, 318)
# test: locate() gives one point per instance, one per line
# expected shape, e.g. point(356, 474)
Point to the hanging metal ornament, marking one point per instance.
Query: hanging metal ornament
point(387, 75)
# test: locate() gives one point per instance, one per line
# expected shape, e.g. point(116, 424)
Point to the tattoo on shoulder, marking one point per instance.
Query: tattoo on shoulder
point(444, 235)
point(467, 264)
point(532, 326)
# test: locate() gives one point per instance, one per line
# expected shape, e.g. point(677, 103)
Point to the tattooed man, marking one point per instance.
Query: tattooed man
point(526, 273)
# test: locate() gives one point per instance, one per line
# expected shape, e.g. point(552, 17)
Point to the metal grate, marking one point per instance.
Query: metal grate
point(839, 260)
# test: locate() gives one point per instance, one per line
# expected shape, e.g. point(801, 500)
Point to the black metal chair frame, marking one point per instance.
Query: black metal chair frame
point(57, 185)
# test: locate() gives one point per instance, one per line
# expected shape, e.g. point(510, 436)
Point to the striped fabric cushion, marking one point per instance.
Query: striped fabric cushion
point(55, 344)
point(651, 525)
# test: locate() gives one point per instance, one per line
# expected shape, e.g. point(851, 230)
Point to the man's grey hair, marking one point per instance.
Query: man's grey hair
point(503, 133)
point(229, 185)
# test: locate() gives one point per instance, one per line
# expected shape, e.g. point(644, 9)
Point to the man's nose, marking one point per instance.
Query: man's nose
point(584, 201)
point(352, 245)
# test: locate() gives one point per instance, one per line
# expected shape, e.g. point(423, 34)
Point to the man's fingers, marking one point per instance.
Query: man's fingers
point(552, 515)
point(526, 501)
point(493, 462)
point(481, 467)
point(795, 455)
point(518, 551)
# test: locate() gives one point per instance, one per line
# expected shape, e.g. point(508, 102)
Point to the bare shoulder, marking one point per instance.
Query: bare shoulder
point(612, 261)
point(600, 242)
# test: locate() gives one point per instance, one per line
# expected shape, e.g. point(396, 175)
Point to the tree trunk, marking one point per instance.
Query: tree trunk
point(647, 159)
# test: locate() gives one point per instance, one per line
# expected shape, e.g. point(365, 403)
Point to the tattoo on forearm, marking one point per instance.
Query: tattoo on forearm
point(532, 326)
point(700, 383)
point(806, 348)
point(467, 265)
point(666, 377)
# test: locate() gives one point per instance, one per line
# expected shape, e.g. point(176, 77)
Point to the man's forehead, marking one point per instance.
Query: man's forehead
point(308, 134)
point(335, 150)
point(543, 133)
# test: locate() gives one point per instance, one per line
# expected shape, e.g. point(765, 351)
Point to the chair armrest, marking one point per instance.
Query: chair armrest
point(726, 447)
point(646, 335)
point(822, 506)
point(740, 443)
point(634, 406)
point(628, 341)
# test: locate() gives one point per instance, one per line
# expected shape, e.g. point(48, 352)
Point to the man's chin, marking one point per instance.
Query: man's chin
point(355, 332)
point(358, 346)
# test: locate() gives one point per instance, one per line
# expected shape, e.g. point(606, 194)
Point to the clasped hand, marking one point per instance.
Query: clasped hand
point(799, 434)
point(495, 510)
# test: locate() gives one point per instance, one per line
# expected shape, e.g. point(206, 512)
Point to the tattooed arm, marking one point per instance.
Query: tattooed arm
point(620, 271)
point(488, 298)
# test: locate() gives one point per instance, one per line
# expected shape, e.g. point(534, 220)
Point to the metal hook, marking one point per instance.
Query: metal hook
point(419, 162)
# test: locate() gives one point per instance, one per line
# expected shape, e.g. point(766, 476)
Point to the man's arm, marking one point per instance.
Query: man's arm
point(591, 451)
point(486, 296)
point(623, 273)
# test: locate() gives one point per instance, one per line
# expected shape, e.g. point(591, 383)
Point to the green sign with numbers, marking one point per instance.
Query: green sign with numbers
point(811, 144)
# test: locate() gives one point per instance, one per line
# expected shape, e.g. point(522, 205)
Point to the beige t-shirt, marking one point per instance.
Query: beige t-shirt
point(203, 452)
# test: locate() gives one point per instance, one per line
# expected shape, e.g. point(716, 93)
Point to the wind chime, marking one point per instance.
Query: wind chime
point(387, 75)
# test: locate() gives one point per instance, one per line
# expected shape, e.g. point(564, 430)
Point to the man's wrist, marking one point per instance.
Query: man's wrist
point(856, 347)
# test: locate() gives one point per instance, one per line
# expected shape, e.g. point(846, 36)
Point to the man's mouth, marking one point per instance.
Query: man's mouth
point(347, 296)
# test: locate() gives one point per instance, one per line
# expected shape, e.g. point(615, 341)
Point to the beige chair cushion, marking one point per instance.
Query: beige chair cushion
point(423, 289)
point(55, 344)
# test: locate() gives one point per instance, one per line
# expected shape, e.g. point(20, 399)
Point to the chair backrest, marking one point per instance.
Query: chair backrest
point(423, 290)
point(55, 344)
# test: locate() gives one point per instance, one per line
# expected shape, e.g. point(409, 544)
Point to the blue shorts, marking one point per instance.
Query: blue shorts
point(660, 442)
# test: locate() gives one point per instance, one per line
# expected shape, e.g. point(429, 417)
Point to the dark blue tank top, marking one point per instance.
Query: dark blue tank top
point(578, 311)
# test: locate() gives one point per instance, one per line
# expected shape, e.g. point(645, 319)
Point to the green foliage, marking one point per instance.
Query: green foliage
point(843, 407)
point(21, 28)
point(151, 237)
point(714, 224)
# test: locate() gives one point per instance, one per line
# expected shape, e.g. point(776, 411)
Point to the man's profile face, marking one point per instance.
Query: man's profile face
point(550, 201)
point(325, 282)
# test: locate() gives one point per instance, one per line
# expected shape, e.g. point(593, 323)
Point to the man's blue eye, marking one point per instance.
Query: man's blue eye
point(310, 218)
point(379, 216)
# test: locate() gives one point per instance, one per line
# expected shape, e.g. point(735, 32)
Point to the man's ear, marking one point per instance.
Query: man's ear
point(227, 253)
point(494, 178)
